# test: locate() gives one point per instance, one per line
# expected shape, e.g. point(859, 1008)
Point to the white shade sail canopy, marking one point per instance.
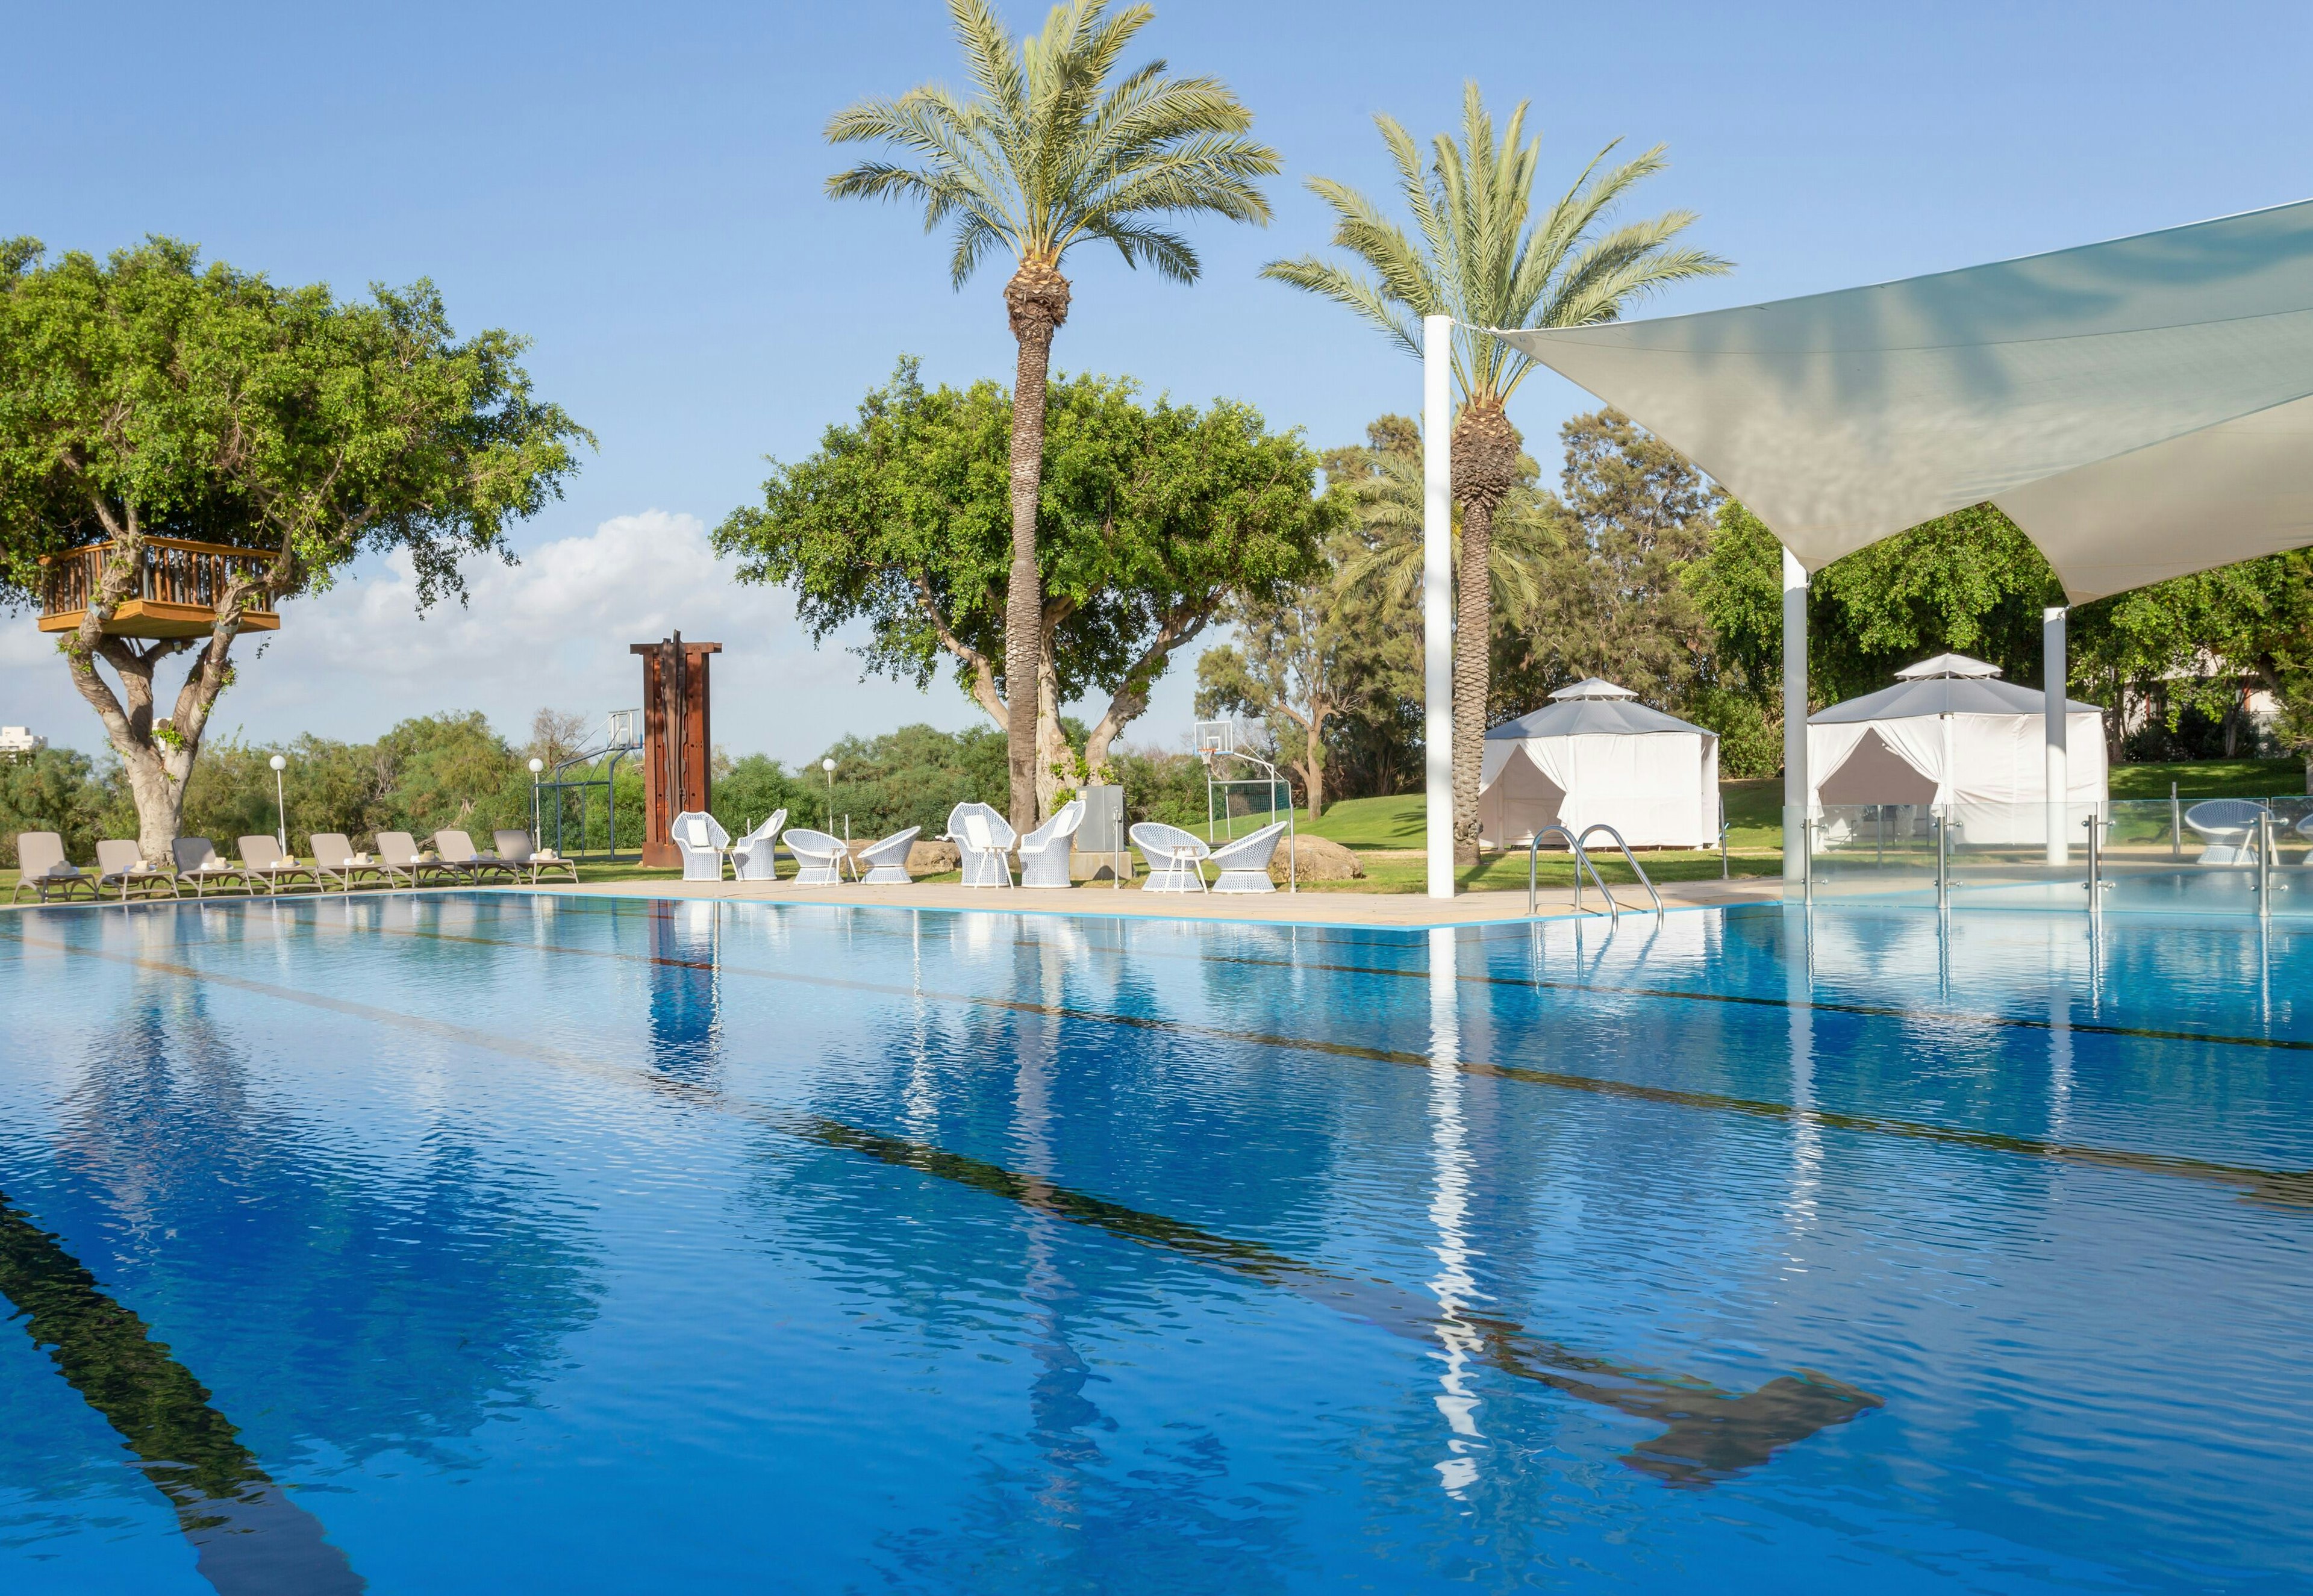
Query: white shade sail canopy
point(1597, 754)
point(1952, 739)
point(2142, 408)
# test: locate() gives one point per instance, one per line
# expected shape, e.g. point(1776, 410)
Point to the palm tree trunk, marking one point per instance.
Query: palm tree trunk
point(1037, 300)
point(1485, 456)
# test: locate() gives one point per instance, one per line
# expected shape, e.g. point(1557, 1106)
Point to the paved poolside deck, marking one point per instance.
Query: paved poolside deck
point(1330, 907)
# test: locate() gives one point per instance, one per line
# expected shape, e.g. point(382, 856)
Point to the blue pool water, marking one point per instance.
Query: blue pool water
point(480, 1242)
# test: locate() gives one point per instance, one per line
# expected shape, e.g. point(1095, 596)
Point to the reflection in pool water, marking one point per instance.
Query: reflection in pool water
point(538, 1243)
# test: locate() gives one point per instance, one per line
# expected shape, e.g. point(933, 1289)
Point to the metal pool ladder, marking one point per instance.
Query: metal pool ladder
point(1582, 862)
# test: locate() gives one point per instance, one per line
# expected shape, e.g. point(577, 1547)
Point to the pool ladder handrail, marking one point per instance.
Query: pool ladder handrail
point(1582, 862)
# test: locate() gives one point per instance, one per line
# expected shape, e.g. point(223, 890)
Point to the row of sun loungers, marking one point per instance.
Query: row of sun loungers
point(264, 866)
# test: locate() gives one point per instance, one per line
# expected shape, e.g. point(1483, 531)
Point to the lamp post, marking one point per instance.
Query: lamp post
point(536, 824)
point(280, 803)
point(829, 765)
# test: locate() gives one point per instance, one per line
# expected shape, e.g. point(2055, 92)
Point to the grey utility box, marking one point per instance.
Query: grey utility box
point(1099, 852)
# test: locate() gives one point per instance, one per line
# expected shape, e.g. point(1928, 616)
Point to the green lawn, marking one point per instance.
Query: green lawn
point(2210, 778)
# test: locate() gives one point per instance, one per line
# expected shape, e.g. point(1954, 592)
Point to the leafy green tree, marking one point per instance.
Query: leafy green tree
point(1049, 153)
point(1485, 257)
point(1151, 518)
point(53, 789)
point(147, 396)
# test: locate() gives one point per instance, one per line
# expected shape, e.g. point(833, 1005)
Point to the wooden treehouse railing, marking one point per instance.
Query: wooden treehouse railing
point(178, 585)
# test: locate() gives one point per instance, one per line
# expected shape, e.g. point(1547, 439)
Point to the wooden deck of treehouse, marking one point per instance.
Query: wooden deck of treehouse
point(179, 583)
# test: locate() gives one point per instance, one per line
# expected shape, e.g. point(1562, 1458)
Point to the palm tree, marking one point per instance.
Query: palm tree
point(1046, 154)
point(1485, 259)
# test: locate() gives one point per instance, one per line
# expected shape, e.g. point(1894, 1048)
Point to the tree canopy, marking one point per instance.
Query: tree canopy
point(1149, 518)
point(147, 396)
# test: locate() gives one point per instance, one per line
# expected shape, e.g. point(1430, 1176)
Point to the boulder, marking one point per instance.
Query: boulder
point(1318, 860)
point(933, 858)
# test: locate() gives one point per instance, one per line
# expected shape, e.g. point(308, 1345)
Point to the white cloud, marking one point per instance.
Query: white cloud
point(550, 631)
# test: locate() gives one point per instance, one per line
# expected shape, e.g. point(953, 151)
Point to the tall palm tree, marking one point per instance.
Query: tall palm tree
point(1482, 256)
point(1045, 154)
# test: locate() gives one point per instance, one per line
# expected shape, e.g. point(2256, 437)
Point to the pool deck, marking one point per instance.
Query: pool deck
point(1327, 907)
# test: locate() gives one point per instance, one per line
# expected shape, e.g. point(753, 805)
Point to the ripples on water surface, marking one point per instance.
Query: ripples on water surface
point(489, 1243)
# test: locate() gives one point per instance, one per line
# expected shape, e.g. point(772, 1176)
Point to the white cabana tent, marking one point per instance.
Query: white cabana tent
point(1951, 737)
point(1596, 754)
point(2142, 408)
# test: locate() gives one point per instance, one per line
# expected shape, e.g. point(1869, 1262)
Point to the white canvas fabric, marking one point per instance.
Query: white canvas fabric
point(2142, 407)
point(1972, 747)
point(1596, 755)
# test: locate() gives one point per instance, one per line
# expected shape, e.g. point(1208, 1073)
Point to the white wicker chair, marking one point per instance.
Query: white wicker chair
point(983, 838)
point(755, 858)
point(1176, 857)
point(887, 861)
point(1044, 852)
point(2230, 826)
point(820, 856)
point(699, 837)
point(1244, 863)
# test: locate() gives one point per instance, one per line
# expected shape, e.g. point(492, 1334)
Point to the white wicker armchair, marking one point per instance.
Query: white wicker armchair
point(887, 860)
point(1176, 857)
point(983, 838)
point(1044, 852)
point(754, 857)
point(820, 858)
point(699, 837)
point(2228, 825)
point(1244, 863)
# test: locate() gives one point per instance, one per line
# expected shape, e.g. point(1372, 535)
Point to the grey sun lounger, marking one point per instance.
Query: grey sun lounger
point(334, 861)
point(42, 869)
point(458, 849)
point(515, 847)
point(120, 865)
point(262, 858)
point(398, 856)
point(197, 863)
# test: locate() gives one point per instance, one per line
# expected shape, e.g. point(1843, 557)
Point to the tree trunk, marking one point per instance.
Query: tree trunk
point(1312, 775)
point(1037, 302)
point(1053, 755)
point(1485, 454)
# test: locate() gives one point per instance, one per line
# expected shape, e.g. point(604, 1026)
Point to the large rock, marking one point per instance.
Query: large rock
point(933, 858)
point(1316, 859)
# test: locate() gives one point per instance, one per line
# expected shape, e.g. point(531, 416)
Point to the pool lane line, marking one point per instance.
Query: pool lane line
point(2286, 1189)
point(249, 1536)
point(1709, 1434)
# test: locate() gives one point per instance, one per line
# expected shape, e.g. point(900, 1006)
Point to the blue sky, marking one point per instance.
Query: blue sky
point(638, 190)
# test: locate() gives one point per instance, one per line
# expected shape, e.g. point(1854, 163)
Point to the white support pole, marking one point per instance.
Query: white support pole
point(1436, 597)
point(2053, 662)
point(1795, 716)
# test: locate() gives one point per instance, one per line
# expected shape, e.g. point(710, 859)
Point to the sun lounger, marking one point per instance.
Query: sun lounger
point(515, 847)
point(1176, 857)
point(1243, 864)
point(41, 868)
point(197, 863)
point(120, 865)
point(699, 837)
point(334, 860)
point(754, 857)
point(984, 839)
point(887, 860)
point(1044, 852)
point(822, 858)
point(262, 858)
point(456, 849)
point(398, 856)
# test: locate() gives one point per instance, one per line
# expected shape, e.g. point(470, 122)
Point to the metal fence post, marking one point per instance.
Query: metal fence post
point(2096, 864)
point(2264, 864)
point(1943, 865)
point(1807, 863)
point(2175, 824)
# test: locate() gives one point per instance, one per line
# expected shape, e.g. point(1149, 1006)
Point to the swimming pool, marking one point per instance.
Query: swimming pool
point(495, 1243)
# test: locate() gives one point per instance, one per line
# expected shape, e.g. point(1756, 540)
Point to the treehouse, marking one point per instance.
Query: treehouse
point(178, 584)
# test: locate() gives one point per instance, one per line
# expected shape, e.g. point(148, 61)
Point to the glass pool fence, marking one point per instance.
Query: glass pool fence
point(2229, 855)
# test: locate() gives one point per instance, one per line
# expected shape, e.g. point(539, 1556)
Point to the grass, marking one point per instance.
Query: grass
point(2210, 778)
